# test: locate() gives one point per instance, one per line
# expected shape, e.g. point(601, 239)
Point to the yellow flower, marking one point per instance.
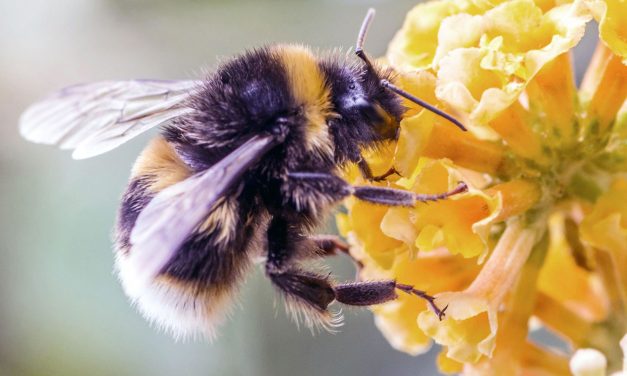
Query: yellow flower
point(542, 230)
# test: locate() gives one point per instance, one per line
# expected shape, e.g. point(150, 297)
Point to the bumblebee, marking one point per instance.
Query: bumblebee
point(247, 164)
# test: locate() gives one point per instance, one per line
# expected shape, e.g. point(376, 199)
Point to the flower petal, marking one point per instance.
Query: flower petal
point(517, 196)
point(427, 135)
point(605, 228)
point(553, 100)
point(446, 223)
point(611, 17)
point(514, 126)
point(414, 46)
point(509, 357)
point(567, 283)
point(603, 92)
point(362, 227)
point(518, 40)
point(397, 319)
point(447, 365)
point(470, 327)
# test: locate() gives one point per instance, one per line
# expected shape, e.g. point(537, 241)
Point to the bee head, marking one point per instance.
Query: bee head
point(382, 107)
point(367, 113)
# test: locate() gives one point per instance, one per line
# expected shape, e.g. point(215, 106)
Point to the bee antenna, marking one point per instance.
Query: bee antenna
point(361, 37)
point(359, 51)
point(388, 85)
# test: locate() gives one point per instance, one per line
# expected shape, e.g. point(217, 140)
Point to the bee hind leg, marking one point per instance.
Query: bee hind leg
point(308, 294)
point(311, 288)
point(311, 293)
point(377, 292)
point(367, 293)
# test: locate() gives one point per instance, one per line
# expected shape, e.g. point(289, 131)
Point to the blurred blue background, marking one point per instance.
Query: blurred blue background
point(62, 311)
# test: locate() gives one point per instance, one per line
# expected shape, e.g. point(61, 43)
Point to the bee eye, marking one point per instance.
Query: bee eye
point(352, 86)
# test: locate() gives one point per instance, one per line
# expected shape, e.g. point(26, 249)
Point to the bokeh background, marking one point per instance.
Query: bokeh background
point(62, 311)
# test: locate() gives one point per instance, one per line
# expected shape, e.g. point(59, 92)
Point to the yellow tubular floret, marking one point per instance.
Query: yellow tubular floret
point(540, 237)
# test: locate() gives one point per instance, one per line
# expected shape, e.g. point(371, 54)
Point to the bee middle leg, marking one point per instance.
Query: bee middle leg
point(333, 185)
point(333, 245)
point(330, 245)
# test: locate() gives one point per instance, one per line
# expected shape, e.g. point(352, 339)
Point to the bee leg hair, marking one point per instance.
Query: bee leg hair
point(399, 197)
point(317, 292)
point(379, 195)
point(311, 293)
point(307, 294)
point(304, 287)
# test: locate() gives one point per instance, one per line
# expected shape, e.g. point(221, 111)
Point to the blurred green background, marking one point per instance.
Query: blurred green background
point(62, 311)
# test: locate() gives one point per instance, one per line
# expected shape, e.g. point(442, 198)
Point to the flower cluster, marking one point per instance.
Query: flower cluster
point(542, 231)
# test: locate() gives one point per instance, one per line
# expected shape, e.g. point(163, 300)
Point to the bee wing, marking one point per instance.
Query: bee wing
point(97, 117)
point(173, 214)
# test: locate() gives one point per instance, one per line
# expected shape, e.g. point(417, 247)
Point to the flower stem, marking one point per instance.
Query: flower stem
point(513, 321)
point(504, 265)
point(561, 320)
point(607, 267)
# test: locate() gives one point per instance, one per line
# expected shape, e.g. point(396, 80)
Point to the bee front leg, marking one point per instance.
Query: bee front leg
point(366, 171)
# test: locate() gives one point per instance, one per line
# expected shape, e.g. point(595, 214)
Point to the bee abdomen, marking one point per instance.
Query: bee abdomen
point(194, 290)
